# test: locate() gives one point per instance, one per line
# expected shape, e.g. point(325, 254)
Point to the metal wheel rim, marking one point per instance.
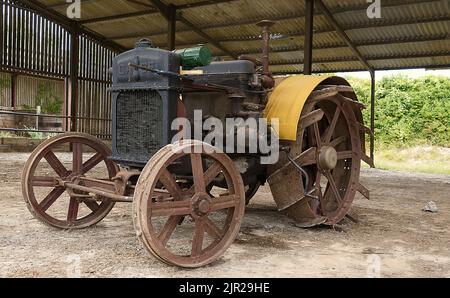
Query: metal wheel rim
point(37, 157)
point(151, 175)
point(348, 177)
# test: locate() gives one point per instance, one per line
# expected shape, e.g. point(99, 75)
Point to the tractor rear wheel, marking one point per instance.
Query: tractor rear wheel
point(328, 149)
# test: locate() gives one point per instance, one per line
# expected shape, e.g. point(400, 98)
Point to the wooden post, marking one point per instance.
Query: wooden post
point(14, 91)
point(372, 115)
point(2, 44)
point(309, 31)
point(172, 25)
point(65, 109)
point(73, 79)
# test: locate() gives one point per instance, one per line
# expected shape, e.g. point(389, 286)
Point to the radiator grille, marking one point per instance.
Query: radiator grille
point(139, 125)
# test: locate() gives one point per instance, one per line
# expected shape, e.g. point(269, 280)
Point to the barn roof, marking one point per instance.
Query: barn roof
point(409, 34)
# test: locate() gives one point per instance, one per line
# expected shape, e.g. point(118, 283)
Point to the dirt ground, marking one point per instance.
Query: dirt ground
point(393, 238)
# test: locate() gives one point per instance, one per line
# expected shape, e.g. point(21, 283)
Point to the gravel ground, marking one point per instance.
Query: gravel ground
point(393, 238)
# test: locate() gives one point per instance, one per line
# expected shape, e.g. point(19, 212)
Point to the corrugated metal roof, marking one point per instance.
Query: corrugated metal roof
point(410, 33)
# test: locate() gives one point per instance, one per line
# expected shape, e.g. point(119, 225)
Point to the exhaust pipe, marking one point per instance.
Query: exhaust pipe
point(267, 79)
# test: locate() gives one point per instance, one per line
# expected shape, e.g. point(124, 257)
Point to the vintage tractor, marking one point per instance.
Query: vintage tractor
point(189, 196)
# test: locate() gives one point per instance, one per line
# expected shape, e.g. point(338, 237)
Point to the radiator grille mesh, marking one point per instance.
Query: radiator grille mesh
point(139, 124)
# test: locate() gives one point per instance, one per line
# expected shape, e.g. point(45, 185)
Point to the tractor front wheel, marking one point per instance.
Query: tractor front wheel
point(49, 166)
point(181, 223)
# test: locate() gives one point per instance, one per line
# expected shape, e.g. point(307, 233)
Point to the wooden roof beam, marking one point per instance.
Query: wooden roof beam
point(203, 3)
point(150, 10)
point(70, 25)
point(334, 70)
point(372, 24)
point(329, 16)
point(65, 4)
point(144, 4)
point(322, 31)
point(208, 38)
point(354, 8)
point(163, 8)
point(369, 58)
point(362, 43)
point(120, 17)
point(165, 11)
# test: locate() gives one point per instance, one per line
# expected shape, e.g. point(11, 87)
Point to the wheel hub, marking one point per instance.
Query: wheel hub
point(328, 158)
point(201, 205)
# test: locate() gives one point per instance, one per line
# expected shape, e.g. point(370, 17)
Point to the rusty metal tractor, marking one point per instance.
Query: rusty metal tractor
point(189, 197)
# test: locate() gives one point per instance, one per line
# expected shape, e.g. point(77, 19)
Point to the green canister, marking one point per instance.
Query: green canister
point(194, 57)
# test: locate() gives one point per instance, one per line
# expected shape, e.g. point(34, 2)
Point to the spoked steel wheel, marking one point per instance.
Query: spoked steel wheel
point(188, 226)
point(48, 167)
point(328, 148)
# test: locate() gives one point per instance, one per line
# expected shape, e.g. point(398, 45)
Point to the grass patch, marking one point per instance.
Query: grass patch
point(39, 135)
point(6, 134)
point(424, 159)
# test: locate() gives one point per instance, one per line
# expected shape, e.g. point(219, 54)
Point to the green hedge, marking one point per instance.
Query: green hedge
point(408, 111)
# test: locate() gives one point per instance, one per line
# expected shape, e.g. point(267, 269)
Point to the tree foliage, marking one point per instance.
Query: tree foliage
point(408, 111)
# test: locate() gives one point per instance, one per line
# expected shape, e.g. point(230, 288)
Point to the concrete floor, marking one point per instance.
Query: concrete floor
point(393, 238)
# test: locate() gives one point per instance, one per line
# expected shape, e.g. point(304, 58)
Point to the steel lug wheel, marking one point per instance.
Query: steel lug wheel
point(188, 226)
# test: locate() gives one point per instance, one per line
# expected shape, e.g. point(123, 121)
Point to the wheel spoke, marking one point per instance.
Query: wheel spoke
point(212, 173)
point(317, 135)
point(170, 184)
point(345, 155)
point(43, 181)
point(224, 202)
point(308, 157)
point(333, 186)
point(56, 164)
point(94, 206)
point(197, 242)
point(170, 208)
point(51, 198)
point(332, 126)
point(77, 149)
point(212, 229)
point(209, 175)
point(91, 163)
point(169, 228)
point(162, 194)
point(197, 172)
point(72, 214)
point(338, 141)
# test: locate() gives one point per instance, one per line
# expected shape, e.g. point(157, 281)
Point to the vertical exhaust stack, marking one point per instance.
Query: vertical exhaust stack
point(267, 79)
